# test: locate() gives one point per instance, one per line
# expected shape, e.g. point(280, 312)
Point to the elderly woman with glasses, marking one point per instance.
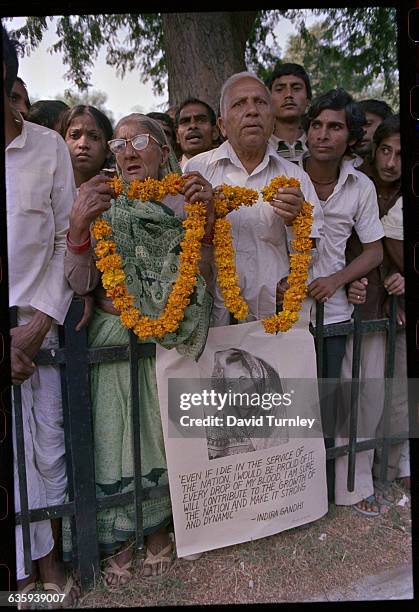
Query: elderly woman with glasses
point(148, 236)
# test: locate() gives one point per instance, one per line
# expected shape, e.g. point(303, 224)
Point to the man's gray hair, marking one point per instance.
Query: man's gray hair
point(233, 79)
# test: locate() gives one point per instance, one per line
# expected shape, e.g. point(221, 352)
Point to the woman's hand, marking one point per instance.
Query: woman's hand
point(93, 199)
point(198, 189)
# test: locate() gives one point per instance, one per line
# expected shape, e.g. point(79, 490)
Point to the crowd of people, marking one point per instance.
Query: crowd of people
point(346, 156)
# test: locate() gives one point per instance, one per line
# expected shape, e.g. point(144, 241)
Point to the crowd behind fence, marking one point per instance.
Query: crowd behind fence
point(74, 358)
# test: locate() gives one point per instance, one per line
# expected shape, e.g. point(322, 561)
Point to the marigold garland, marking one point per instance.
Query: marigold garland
point(299, 261)
point(113, 276)
point(226, 199)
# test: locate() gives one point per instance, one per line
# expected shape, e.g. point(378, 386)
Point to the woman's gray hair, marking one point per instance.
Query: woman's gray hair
point(152, 126)
point(233, 79)
point(154, 129)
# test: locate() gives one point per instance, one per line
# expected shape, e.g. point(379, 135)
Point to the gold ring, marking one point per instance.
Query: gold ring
point(202, 188)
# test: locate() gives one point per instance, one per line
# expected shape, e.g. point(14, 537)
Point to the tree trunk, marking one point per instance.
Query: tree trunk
point(221, 41)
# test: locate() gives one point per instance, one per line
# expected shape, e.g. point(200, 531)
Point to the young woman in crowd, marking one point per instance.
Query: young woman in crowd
point(141, 151)
point(86, 131)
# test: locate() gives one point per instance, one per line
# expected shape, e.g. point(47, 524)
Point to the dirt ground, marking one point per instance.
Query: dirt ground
point(294, 565)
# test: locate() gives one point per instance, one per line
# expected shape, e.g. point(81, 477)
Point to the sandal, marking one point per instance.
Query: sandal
point(164, 556)
point(371, 501)
point(27, 589)
point(385, 495)
point(121, 571)
point(52, 586)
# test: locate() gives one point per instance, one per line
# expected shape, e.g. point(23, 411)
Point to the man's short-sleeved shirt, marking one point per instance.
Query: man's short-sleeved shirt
point(353, 204)
point(259, 234)
point(40, 193)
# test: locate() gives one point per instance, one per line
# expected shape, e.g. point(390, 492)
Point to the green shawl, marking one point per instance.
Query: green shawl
point(148, 237)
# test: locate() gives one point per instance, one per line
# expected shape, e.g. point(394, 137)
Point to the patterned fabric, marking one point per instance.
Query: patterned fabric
point(292, 152)
point(148, 236)
point(112, 428)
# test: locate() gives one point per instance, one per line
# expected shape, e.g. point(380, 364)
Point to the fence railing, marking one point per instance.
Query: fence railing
point(75, 358)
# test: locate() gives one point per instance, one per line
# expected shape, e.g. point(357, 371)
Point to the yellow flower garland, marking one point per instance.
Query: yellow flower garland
point(113, 276)
point(226, 199)
point(300, 261)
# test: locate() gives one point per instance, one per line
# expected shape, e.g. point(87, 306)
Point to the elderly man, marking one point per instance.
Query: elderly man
point(260, 233)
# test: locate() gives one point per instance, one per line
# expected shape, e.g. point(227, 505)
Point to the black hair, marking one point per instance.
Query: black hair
point(101, 119)
point(166, 119)
point(389, 127)
point(21, 81)
point(211, 114)
point(338, 99)
point(46, 112)
point(376, 107)
point(10, 59)
point(286, 69)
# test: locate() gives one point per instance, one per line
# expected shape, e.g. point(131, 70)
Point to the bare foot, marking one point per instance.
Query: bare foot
point(117, 568)
point(159, 554)
point(51, 570)
point(368, 506)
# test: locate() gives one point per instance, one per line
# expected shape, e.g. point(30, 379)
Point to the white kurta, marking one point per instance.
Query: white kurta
point(40, 192)
point(260, 237)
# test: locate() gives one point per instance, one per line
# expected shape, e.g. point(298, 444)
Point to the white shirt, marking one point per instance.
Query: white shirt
point(183, 161)
point(393, 221)
point(353, 204)
point(40, 192)
point(259, 234)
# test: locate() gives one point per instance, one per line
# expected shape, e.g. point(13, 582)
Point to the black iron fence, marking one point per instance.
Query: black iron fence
point(74, 359)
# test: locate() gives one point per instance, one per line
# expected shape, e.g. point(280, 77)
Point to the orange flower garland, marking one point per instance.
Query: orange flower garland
point(113, 276)
point(300, 261)
point(226, 199)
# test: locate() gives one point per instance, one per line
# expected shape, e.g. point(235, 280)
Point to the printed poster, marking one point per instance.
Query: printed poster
point(243, 436)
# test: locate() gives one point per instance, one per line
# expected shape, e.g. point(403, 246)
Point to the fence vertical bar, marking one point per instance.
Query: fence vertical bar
point(21, 464)
point(81, 435)
point(353, 418)
point(136, 444)
point(319, 338)
point(388, 385)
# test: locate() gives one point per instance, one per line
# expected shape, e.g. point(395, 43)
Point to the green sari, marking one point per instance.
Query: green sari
point(148, 236)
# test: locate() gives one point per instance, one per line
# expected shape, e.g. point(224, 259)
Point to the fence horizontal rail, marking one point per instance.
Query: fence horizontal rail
point(75, 358)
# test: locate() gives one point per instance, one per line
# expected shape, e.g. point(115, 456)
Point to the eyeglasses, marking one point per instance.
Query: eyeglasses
point(139, 142)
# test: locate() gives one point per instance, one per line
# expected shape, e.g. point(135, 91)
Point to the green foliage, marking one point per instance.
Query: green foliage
point(132, 42)
point(352, 47)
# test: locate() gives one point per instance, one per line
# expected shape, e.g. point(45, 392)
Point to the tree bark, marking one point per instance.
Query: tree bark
point(220, 39)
